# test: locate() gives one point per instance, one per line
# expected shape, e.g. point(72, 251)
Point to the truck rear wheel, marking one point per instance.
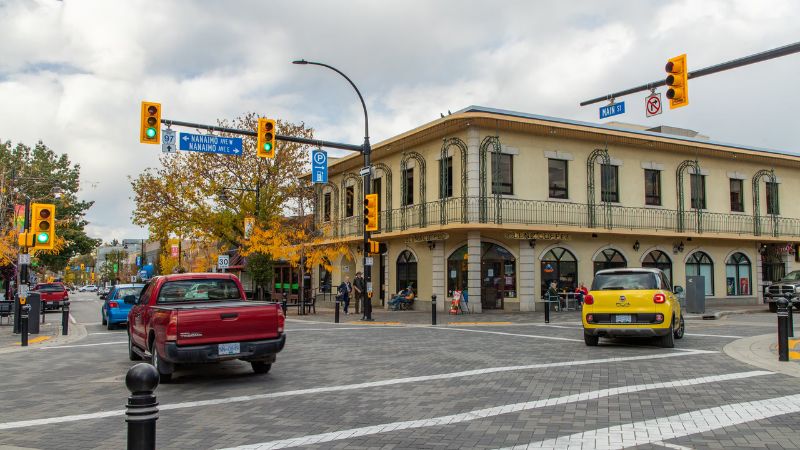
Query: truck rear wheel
point(164, 368)
point(260, 366)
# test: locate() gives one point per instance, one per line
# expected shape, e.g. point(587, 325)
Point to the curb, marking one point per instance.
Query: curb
point(76, 332)
point(756, 351)
point(720, 314)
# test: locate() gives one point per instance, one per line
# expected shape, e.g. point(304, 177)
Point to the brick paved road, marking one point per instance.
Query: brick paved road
point(448, 387)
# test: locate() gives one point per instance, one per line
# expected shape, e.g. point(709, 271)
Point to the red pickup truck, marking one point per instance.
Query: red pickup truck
point(53, 295)
point(196, 318)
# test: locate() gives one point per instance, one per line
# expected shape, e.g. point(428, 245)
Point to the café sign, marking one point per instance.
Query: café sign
point(538, 235)
point(427, 237)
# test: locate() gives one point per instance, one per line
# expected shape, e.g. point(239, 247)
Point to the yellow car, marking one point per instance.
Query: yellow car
point(632, 302)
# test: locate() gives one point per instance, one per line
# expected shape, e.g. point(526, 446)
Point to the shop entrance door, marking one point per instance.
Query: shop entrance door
point(492, 284)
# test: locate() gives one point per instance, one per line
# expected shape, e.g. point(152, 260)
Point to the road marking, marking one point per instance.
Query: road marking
point(664, 428)
point(338, 328)
point(668, 445)
point(348, 387)
point(106, 332)
point(83, 345)
point(491, 412)
point(72, 319)
point(35, 340)
point(375, 323)
point(451, 324)
point(536, 336)
point(715, 335)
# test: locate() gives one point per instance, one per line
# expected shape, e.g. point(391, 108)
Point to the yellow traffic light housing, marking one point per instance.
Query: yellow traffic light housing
point(25, 239)
point(371, 212)
point(43, 228)
point(677, 82)
point(150, 126)
point(374, 247)
point(265, 138)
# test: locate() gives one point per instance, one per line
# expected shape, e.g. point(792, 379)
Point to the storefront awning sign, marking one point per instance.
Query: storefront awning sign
point(544, 236)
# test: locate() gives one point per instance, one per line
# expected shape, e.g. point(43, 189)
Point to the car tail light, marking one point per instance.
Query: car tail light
point(659, 318)
point(659, 298)
point(281, 320)
point(590, 317)
point(172, 327)
point(588, 299)
point(113, 305)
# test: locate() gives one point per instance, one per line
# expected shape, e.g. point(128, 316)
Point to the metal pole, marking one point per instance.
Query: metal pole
point(783, 332)
point(141, 412)
point(790, 321)
point(65, 319)
point(336, 313)
point(547, 310)
point(24, 325)
point(433, 309)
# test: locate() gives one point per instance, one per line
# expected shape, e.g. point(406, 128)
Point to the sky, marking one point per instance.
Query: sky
point(73, 72)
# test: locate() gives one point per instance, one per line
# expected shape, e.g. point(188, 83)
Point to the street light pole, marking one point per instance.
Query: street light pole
point(366, 150)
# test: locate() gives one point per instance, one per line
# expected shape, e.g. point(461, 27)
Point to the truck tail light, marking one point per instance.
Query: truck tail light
point(281, 319)
point(659, 298)
point(588, 299)
point(172, 327)
point(113, 305)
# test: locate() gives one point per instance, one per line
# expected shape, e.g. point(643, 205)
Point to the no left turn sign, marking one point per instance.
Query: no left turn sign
point(652, 105)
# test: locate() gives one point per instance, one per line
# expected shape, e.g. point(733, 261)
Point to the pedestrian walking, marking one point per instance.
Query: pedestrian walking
point(360, 289)
point(345, 289)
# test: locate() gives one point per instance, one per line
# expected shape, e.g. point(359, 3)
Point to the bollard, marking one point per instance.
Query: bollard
point(547, 311)
point(65, 319)
point(433, 309)
point(23, 325)
point(42, 310)
point(141, 411)
point(783, 332)
point(790, 323)
point(336, 314)
point(368, 307)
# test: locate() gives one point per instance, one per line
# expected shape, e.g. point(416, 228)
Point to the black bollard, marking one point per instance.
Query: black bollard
point(42, 310)
point(336, 314)
point(141, 412)
point(368, 306)
point(23, 325)
point(433, 309)
point(547, 311)
point(65, 319)
point(783, 330)
point(791, 318)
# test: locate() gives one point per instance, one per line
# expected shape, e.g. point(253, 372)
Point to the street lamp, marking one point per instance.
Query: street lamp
point(365, 150)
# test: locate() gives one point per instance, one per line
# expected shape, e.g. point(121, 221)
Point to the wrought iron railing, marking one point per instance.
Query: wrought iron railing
point(536, 212)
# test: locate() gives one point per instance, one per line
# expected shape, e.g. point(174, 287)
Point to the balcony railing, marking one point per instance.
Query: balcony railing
point(536, 212)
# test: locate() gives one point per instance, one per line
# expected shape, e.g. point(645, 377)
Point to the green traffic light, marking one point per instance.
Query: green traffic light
point(151, 132)
point(267, 146)
point(42, 238)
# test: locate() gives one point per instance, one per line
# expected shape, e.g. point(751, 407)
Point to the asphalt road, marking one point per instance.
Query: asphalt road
point(372, 386)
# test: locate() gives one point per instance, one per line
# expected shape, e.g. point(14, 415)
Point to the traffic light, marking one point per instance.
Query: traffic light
point(150, 128)
point(371, 212)
point(677, 82)
point(26, 239)
point(374, 247)
point(43, 228)
point(83, 267)
point(265, 147)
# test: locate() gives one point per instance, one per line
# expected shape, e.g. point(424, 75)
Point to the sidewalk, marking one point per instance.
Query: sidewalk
point(722, 311)
point(49, 334)
point(762, 351)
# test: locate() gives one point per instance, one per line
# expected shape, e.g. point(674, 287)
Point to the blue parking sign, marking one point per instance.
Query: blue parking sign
point(319, 166)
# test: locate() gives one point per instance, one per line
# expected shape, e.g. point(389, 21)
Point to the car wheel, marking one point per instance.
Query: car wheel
point(133, 356)
point(773, 307)
point(668, 340)
point(103, 318)
point(591, 340)
point(164, 369)
point(111, 325)
point(679, 332)
point(260, 366)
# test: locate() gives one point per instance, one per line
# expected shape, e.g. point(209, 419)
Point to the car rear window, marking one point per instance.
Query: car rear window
point(624, 281)
point(123, 292)
point(52, 287)
point(190, 291)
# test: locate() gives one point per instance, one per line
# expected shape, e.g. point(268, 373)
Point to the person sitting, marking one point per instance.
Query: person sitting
point(403, 298)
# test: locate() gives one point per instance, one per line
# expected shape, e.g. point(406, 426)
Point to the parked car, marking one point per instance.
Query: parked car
point(175, 321)
point(114, 310)
point(88, 288)
point(53, 295)
point(788, 287)
point(632, 302)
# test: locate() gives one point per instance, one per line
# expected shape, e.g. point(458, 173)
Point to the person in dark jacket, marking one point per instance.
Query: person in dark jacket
point(360, 291)
point(344, 293)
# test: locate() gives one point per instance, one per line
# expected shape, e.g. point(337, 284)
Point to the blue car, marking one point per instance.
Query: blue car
point(115, 310)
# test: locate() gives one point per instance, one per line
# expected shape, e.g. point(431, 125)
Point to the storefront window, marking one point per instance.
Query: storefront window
point(659, 260)
point(609, 259)
point(407, 271)
point(700, 263)
point(457, 271)
point(737, 275)
point(325, 278)
point(561, 266)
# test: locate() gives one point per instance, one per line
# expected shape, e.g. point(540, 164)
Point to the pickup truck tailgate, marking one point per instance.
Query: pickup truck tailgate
point(227, 322)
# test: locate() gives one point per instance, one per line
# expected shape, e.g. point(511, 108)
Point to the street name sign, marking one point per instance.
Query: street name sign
point(223, 261)
point(206, 143)
point(612, 110)
point(168, 141)
point(319, 166)
point(24, 258)
point(365, 171)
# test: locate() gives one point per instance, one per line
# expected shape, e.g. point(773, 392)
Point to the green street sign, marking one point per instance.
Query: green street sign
point(116, 267)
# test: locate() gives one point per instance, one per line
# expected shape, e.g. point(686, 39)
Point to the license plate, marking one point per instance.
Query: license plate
point(228, 349)
point(623, 318)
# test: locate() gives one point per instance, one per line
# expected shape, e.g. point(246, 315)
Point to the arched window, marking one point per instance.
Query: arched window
point(659, 260)
point(609, 259)
point(457, 271)
point(559, 264)
point(700, 263)
point(407, 271)
point(737, 275)
point(325, 277)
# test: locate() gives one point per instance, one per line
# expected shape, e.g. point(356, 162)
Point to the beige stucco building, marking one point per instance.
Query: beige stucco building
point(499, 203)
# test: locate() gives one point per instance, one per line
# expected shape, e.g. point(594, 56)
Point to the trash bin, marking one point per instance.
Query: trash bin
point(696, 294)
point(34, 317)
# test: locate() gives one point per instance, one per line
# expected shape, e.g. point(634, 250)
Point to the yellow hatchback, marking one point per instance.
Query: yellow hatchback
point(632, 303)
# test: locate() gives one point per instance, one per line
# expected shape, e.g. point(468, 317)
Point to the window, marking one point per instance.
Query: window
point(561, 266)
point(609, 259)
point(557, 171)
point(625, 281)
point(700, 263)
point(349, 199)
point(326, 207)
point(406, 271)
point(609, 183)
point(697, 185)
point(408, 198)
point(446, 173)
point(737, 275)
point(652, 187)
point(772, 198)
point(191, 291)
point(325, 276)
point(737, 195)
point(659, 260)
point(503, 168)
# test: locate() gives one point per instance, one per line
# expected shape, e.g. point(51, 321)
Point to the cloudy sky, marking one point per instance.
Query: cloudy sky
point(72, 72)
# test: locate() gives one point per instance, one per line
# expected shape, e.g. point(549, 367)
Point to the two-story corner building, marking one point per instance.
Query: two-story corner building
point(498, 204)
